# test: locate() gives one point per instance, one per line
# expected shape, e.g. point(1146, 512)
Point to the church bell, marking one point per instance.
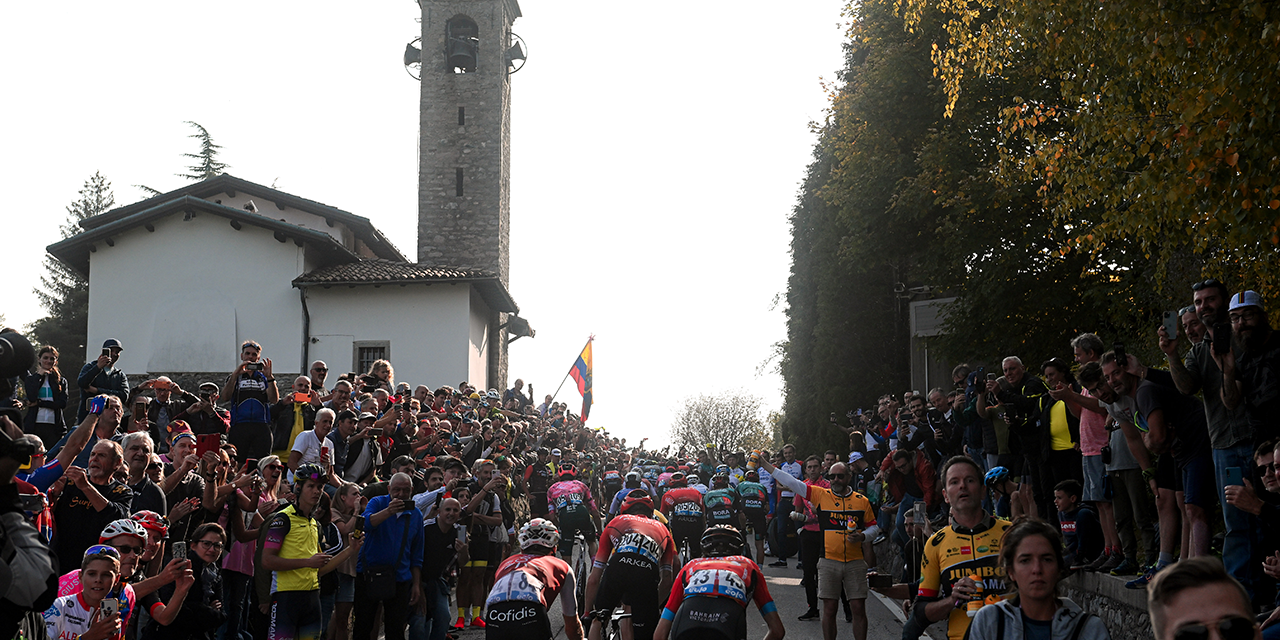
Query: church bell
point(462, 54)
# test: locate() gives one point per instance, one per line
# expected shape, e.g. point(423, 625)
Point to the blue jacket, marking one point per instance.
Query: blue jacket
point(382, 543)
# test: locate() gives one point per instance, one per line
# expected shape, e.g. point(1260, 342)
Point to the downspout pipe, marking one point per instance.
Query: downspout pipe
point(306, 331)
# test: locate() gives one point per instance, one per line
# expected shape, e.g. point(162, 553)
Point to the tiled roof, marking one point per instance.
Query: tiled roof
point(379, 272)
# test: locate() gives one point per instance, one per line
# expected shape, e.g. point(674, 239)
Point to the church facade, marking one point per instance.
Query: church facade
point(313, 282)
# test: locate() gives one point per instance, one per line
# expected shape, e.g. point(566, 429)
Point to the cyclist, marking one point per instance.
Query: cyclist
point(632, 566)
point(574, 509)
point(710, 596)
point(613, 480)
point(682, 505)
point(632, 482)
point(1005, 491)
point(755, 507)
point(724, 505)
point(526, 585)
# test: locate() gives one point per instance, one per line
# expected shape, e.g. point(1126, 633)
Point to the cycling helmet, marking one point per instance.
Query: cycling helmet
point(722, 468)
point(721, 540)
point(493, 395)
point(309, 471)
point(539, 533)
point(753, 476)
point(567, 470)
point(677, 479)
point(720, 480)
point(152, 521)
point(997, 475)
point(123, 527)
point(638, 497)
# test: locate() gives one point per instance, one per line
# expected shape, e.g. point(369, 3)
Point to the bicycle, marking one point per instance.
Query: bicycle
point(683, 555)
point(610, 622)
point(579, 562)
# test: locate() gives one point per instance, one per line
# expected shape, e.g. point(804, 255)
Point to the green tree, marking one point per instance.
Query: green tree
point(64, 292)
point(207, 164)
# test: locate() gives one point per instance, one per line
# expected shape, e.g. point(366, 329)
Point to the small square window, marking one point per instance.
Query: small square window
point(369, 351)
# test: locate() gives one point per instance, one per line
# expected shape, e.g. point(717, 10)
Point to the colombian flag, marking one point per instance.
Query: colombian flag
point(581, 374)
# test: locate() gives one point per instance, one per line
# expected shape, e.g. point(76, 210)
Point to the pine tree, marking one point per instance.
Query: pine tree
point(63, 292)
point(208, 166)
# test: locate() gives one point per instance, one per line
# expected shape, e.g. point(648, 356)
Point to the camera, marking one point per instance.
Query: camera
point(17, 356)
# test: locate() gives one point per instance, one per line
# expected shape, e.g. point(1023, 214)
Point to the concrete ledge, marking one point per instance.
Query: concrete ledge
point(1123, 610)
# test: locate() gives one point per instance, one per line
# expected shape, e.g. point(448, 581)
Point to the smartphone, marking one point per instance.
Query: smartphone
point(832, 417)
point(207, 442)
point(1171, 324)
point(376, 431)
point(1234, 477)
point(110, 606)
point(302, 397)
point(360, 523)
point(251, 465)
point(1221, 338)
point(991, 377)
point(106, 352)
point(1122, 356)
point(324, 454)
point(253, 366)
point(918, 515)
point(180, 550)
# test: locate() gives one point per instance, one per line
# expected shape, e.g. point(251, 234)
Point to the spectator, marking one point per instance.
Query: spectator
point(46, 399)
point(170, 401)
point(147, 495)
point(204, 415)
point(811, 538)
point(1081, 533)
point(1231, 435)
point(200, 613)
point(340, 399)
point(1031, 556)
point(313, 446)
point(1253, 376)
point(784, 527)
point(443, 540)
point(910, 478)
point(1060, 435)
point(389, 570)
point(251, 391)
point(1191, 324)
point(105, 427)
point(292, 415)
point(91, 499)
point(317, 374)
point(1195, 595)
point(1022, 396)
point(99, 377)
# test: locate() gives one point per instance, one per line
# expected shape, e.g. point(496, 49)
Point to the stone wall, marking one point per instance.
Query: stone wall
point(1123, 610)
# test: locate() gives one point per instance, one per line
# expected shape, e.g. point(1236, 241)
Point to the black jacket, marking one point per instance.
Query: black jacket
point(33, 382)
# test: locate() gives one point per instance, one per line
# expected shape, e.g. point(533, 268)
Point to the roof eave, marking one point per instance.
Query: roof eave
point(498, 297)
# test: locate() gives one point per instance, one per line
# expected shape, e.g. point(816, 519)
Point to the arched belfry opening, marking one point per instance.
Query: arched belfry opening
point(462, 45)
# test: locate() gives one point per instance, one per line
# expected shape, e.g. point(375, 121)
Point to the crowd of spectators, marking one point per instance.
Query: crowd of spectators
point(252, 508)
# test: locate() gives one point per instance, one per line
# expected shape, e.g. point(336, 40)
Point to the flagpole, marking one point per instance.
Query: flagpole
point(566, 375)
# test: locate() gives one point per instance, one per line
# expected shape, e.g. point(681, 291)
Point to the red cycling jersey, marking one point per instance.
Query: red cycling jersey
point(638, 535)
point(533, 578)
point(732, 577)
point(683, 502)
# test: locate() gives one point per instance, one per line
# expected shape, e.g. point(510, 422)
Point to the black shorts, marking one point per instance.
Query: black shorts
point(709, 618)
point(517, 620)
point(632, 579)
point(538, 504)
point(1168, 475)
point(757, 522)
point(691, 530)
point(295, 615)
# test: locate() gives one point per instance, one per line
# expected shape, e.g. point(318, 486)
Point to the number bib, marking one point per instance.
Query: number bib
point(688, 509)
point(638, 544)
point(571, 502)
point(516, 586)
point(716, 582)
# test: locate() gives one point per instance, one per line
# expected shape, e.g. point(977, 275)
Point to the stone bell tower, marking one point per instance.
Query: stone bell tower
point(464, 170)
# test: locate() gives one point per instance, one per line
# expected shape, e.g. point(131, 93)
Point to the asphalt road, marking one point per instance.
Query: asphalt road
point(884, 618)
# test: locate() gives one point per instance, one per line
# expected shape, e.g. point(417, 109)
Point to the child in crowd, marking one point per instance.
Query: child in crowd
point(1080, 527)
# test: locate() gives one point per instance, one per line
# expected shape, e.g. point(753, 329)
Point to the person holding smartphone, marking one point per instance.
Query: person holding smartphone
point(100, 376)
point(251, 390)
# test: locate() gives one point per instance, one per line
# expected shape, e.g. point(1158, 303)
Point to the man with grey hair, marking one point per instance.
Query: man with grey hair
point(147, 495)
point(392, 554)
point(1021, 395)
point(1195, 598)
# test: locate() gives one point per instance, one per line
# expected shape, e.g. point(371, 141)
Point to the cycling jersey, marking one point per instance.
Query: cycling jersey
point(754, 496)
point(732, 577)
point(571, 499)
point(956, 552)
point(639, 537)
point(722, 506)
point(296, 537)
point(70, 617)
point(531, 578)
point(682, 503)
point(612, 481)
point(69, 584)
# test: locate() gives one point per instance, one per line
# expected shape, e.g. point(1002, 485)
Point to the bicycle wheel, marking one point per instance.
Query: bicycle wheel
point(579, 564)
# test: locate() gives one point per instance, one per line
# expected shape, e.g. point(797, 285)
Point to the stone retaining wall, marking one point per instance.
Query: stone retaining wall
point(1123, 610)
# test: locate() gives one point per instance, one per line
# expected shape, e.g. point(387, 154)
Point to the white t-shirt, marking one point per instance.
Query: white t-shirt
point(310, 446)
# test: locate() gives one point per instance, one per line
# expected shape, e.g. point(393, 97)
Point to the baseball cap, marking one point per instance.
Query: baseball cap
point(555, 452)
point(854, 456)
point(112, 343)
point(209, 386)
point(368, 416)
point(1245, 299)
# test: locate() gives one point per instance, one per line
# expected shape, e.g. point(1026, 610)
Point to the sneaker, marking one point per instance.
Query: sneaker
point(1141, 581)
point(1126, 567)
point(460, 623)
point(1098, 562)
point(799, 566)
point(477, 622)
point(811, 614)
point(1114, 561)
point(780, 563)
point(880, 538)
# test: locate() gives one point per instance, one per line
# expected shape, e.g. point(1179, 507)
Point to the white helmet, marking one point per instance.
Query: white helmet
point(539, 533)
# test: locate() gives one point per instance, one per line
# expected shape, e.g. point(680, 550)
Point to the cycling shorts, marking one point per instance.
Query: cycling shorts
point(517, 620)
point(295, 615)
point(691, 530)
point(631, 579)
point(709, 618)
point(571, 525)
point(757, 523)
point(538, 504)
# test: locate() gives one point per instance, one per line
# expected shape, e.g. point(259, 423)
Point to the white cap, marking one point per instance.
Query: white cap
point(854, 456)
point(555, 452)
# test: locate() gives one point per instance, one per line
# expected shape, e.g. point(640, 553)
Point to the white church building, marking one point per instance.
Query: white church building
point(182, 278)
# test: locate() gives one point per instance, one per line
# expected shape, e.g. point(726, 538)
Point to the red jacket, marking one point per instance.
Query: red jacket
point(925, 474)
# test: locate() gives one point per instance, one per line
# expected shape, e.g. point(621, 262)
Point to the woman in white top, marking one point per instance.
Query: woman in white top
point(46, 399)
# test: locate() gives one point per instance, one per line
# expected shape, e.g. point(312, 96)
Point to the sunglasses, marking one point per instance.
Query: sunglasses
point(321, 369)
point(154, 465)
point(274, 467)
point(1211, 282)
point(137, 551)
point(1229, 628)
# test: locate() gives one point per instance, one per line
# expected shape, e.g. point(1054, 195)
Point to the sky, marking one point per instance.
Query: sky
point(657, 150)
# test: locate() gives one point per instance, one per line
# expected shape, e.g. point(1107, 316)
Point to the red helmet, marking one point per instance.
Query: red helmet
point(677, 479)
point(638, 497)
point(151, 521)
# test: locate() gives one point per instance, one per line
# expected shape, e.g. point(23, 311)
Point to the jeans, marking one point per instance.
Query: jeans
point(1241, 537)
point(899, 535)
point(235, 601)
point(785, 530)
